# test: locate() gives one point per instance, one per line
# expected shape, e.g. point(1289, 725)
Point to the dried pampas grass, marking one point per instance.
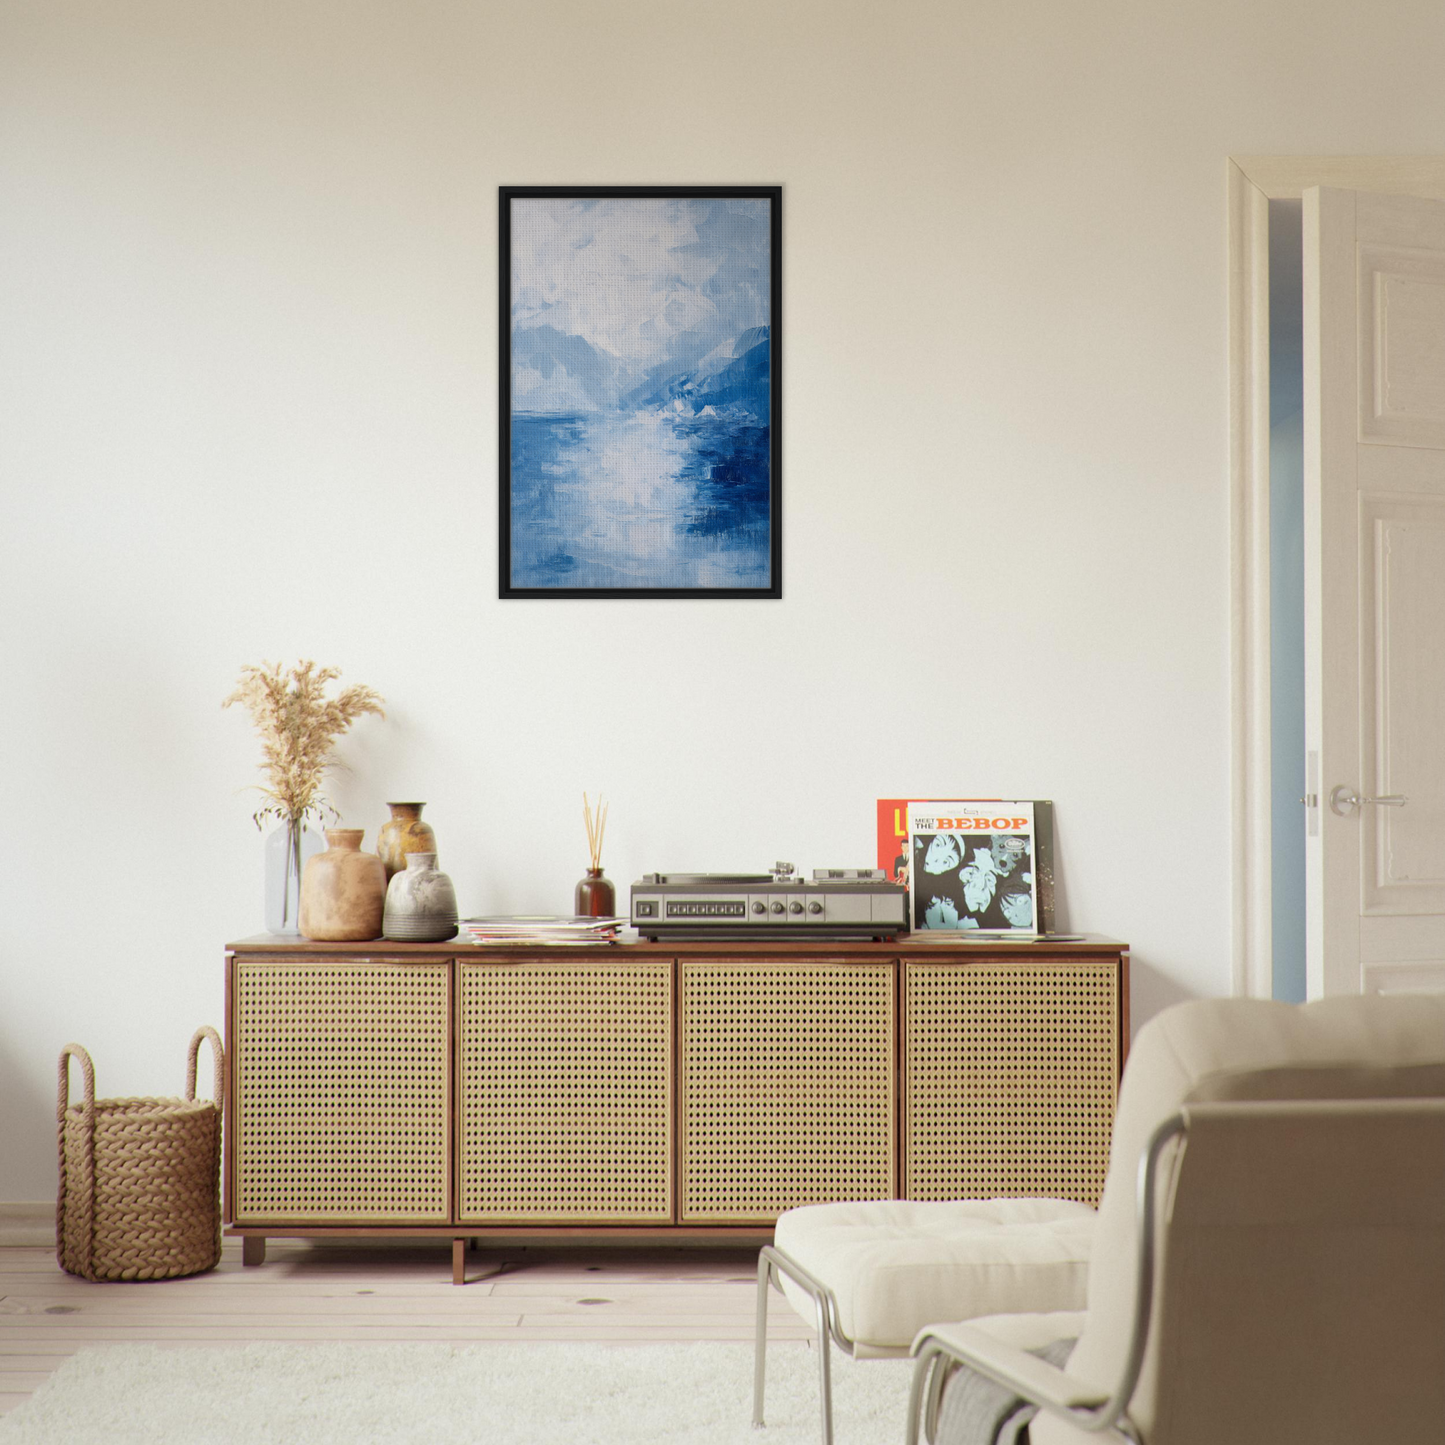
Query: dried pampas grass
point(298, 724)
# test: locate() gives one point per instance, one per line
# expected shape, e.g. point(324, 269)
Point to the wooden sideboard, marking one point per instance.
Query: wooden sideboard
point(657, 1091)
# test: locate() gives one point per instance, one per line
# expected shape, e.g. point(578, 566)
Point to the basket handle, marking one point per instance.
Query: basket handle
point(87, 1070)
point(84, 1186)
point(218, 1055)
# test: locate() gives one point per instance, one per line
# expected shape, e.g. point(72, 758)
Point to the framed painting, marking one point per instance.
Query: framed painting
point(640, 391)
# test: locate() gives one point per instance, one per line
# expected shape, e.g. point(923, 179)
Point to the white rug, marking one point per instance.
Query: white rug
point(487, 1394)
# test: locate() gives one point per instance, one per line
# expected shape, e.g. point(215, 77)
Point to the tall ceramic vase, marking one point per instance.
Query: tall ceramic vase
point(343, 890)
point(287, 850)
point(403, 833)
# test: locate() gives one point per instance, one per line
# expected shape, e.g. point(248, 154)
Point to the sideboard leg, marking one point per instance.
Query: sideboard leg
point(253, 1249)
point(459, 1261)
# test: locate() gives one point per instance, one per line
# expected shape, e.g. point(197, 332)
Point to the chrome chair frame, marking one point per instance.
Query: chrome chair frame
point(937, 1358)
point(771, 1264)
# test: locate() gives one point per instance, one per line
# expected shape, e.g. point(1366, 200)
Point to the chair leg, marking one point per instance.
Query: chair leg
point(825, 1378)
point(760, 1340)
point(919, 1391)
point(771, 1265)
point(937, 1379)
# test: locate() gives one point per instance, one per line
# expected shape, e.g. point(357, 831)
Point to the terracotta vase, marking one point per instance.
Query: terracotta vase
point(421, 904)
point(343, 890)
point(595, 897)
point(403, 833)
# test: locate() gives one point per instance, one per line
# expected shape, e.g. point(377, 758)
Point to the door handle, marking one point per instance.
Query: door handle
point(1344, 800)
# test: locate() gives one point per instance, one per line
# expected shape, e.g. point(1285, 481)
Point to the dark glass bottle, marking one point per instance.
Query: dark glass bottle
point(595, 896)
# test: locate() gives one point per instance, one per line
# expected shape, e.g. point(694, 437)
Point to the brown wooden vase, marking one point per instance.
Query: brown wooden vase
point(343, 890)
point(403, 833)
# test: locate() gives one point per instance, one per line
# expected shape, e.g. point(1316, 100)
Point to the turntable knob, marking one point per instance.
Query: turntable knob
point(795, 907)
point(815, 907)
point(777, 908)
point(759, 906)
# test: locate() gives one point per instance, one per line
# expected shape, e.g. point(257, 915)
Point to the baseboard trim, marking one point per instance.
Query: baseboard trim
point(27, 1223)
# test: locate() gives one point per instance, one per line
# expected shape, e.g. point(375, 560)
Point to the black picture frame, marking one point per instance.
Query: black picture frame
point(700, 427)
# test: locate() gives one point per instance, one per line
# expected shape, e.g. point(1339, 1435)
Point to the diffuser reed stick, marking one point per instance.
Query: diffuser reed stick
point(596, 826)
point(595, 897)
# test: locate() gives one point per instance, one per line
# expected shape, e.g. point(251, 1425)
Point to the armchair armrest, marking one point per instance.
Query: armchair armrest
point(1026, 1374)
point(939, 1347)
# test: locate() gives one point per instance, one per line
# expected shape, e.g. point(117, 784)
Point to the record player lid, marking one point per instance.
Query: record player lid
point(705, 878)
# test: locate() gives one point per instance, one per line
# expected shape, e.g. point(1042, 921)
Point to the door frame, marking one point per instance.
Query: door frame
point(1254, 181)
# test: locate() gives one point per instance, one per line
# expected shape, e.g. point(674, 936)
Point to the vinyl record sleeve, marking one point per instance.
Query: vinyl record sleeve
point(895, 858)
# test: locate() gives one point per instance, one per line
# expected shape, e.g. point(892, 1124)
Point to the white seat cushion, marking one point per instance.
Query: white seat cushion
point(897, 1265)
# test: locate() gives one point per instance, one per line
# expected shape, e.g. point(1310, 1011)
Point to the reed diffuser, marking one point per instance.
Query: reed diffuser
point(595, 896)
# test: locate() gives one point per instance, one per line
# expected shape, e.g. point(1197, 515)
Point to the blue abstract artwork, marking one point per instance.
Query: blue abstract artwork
point(639, 369)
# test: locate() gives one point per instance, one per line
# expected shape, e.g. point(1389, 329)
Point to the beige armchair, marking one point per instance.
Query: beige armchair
point(1269, 1259)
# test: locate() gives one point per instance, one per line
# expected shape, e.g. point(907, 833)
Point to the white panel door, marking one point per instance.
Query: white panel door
point(1374, 277)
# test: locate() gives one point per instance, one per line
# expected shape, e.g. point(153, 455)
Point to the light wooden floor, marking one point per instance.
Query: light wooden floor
point(381, 1292)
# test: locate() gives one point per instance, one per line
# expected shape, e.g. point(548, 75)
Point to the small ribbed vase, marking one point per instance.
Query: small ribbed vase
point(403, 833)
point(421, 904)
point(343, 890)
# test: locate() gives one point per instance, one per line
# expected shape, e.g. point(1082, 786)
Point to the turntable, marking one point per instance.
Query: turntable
point(834, 903)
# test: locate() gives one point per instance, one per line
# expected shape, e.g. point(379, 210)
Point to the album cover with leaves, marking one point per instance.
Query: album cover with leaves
point(981, 865)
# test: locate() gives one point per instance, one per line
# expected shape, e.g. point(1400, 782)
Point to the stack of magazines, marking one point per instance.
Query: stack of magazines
point(548, 928)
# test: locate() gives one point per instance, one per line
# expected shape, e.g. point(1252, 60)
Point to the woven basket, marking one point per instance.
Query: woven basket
point(139, 1178)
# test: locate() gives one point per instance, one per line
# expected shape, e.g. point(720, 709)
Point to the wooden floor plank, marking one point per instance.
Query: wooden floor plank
point(333, 1260)
point(45, 1310)
point(40, 1361)
point(66, 1290)
point(550, 1331)
point(23, 1381)
point(57, 1309)
point(28, 1346)
point(42, 1337)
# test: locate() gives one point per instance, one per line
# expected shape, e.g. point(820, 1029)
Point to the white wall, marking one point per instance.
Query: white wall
point(248, 339)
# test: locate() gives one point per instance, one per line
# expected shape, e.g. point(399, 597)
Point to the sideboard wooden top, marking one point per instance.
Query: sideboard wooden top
point(905, 945)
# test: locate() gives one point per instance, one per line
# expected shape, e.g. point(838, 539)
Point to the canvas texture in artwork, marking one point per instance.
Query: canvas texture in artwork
point(640, 408)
